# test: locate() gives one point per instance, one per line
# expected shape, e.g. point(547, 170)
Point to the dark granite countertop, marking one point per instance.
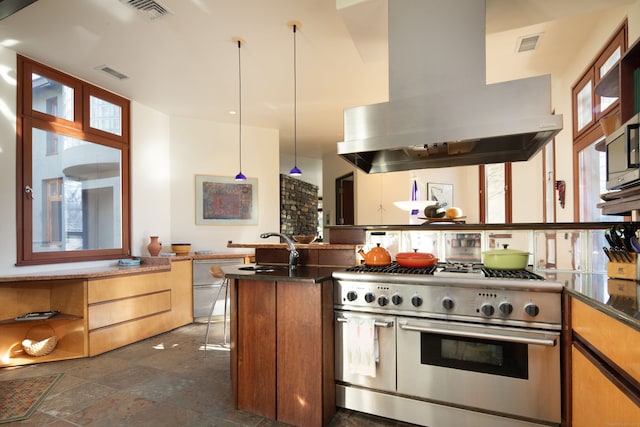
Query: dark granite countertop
point(307, 274)
point(617, 298)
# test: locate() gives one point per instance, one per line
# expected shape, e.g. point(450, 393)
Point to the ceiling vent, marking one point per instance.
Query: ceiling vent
point(150, 9)
point(113, 73)
point(528, 43)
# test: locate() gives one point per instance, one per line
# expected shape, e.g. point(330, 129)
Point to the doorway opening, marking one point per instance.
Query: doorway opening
point(345, 200)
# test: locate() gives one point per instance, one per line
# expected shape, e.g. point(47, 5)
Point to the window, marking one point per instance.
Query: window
point(495, 193)
point(589, 163)
point(73, 179)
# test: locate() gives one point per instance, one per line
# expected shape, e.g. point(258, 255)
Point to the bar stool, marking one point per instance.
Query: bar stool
point(217, 273)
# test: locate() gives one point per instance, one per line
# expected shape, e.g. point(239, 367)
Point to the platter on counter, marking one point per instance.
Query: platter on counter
point(444, 219)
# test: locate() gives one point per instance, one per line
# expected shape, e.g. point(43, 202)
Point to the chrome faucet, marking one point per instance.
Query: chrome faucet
point(293, 252)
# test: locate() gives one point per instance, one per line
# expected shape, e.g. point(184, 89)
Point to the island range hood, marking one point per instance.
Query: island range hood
point(441, 112)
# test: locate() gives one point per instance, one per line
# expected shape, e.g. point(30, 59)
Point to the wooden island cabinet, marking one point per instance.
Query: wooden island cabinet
point(282, 345)
point(605, 368)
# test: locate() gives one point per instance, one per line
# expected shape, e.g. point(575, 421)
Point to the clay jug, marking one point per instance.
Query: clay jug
point(154, 247)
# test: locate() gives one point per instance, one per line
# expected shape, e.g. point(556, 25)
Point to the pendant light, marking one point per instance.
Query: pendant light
point(240, 176)
point(294, 171)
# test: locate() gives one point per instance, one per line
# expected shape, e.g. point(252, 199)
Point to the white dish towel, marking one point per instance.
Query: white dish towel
point(361, 344)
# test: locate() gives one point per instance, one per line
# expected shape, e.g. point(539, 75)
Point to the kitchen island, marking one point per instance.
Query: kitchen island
point(601, 352)
point(282, 343)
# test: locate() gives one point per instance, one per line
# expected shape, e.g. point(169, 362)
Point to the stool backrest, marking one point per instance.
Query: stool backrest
point(216, 271)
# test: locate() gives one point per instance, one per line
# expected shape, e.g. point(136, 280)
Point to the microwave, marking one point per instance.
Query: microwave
point(623, 155)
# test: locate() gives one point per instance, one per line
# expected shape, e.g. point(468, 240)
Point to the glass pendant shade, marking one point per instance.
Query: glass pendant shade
point(295, 171)
point(240, 177)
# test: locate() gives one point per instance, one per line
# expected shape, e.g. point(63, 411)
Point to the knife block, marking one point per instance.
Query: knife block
point(624, 270)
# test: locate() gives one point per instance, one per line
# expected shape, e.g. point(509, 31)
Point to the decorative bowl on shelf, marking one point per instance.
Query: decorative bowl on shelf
point(304, 238)
point(181, 248)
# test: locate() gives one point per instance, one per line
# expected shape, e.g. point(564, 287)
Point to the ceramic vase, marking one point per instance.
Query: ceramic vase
point(154, 247)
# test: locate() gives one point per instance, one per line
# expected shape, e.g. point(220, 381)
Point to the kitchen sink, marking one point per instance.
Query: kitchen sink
point(264, 268)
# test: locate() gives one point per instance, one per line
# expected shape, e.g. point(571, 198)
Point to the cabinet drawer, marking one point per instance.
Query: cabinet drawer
point(611, 337)
point(123, 310)
point(596, 400)
point(127, 286)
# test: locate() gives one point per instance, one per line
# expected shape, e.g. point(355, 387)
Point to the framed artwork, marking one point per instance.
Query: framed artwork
point(442, 193)
point(224, 201)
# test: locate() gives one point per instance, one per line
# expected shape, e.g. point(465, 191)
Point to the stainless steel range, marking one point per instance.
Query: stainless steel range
point(451, 345)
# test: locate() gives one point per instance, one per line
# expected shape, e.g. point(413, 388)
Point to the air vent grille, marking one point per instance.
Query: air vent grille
point(150, 9)
point(528, 43)
point(114, 73)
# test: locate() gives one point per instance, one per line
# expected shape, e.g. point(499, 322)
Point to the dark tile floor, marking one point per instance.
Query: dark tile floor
point(166, 380)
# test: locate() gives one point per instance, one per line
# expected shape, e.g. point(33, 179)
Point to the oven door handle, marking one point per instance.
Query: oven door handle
point(548, 342)
point(378, 323)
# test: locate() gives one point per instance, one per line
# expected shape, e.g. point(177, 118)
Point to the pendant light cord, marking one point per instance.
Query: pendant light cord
point(240, 105)
point(295, 102)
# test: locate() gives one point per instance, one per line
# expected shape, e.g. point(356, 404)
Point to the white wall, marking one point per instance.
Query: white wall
point(7, 159)
point(166, 154)
point(311, 169)
point(206, 148)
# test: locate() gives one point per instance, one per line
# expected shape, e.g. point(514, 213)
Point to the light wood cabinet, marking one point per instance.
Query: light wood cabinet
point(282, 350)
point(605, 369)
point(123, 310)
point(98, 312)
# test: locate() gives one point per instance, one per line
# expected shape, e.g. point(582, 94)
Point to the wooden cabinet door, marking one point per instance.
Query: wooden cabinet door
point(299, 379)
point(256, 347)
point(596, 401)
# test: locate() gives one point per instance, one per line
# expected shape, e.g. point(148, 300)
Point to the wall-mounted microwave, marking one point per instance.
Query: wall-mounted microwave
point(623, 155)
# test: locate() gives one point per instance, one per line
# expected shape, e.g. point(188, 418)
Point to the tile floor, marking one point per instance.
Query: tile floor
point(166, 380)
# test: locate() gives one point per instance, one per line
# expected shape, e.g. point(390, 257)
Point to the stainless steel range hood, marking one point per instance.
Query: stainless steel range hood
point(441, 112)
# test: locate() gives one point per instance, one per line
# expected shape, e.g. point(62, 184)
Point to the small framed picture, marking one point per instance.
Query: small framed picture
point(442, 193)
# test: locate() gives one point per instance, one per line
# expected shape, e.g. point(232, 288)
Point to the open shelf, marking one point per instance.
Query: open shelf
point(70, 325)
point(60, 316)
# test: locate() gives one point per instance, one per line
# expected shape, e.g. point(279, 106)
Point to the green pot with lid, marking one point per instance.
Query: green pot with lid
point(506, 259)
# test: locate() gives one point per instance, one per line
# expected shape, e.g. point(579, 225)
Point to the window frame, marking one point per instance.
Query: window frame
point(593, 132)
point(27, 119)
point(508, 196)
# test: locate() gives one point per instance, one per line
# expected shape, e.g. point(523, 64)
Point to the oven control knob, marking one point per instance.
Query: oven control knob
point(447, 303)
point(487, 309)
point(352, 295)
point(369, 297)
point(531, 309)
point(383, 300)
point(416, 300)
point(396, 299)
point(505, 308)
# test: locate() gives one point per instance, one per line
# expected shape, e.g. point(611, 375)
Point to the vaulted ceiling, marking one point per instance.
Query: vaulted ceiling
point(185, 63)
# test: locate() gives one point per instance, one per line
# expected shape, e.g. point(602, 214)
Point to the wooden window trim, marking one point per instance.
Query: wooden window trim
point(27, 119)
point(593, 131)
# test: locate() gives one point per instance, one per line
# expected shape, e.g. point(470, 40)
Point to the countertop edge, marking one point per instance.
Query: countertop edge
point(148, 264)
point(606, 309)
point(303, 274)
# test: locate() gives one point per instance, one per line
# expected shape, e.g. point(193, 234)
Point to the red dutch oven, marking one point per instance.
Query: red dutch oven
point(416, 259)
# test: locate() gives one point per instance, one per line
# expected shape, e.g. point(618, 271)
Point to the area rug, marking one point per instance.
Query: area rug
point(19, 398)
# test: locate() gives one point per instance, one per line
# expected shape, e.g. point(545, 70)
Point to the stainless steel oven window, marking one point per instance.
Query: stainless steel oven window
point(474, 354)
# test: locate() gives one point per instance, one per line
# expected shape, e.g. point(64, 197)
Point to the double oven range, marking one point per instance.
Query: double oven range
point(454, 345)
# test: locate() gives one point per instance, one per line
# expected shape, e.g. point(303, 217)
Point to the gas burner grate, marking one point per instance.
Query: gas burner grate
point(391, 268)
point(511, 274)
